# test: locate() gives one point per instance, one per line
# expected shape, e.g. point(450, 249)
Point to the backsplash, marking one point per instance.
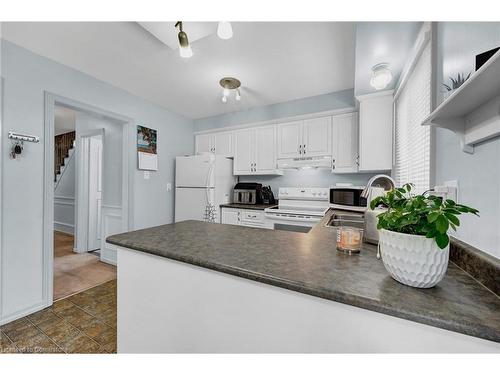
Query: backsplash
point(307, 178)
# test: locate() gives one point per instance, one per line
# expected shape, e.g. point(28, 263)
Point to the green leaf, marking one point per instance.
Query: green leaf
point(442, 224)
point(432, 217)
point(442, 240)
point(452, 218)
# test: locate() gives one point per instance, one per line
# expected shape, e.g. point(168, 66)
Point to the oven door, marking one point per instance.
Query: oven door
point(292, 223)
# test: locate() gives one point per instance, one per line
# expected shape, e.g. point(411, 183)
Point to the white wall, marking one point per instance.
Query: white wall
point(478, 175)
point(26, 77)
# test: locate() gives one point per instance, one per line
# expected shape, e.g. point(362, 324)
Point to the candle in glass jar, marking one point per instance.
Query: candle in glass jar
point(349, 239)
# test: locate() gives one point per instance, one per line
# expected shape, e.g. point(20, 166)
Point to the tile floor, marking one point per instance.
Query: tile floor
point(75, 272)
point(82, 323)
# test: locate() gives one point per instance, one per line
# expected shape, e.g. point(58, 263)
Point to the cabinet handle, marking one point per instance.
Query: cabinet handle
point(357, 160)
point(333, 164)
point(300, 149)
point(304, 149)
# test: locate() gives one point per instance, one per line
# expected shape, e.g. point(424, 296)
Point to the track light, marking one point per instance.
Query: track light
point(224, 30)
point(184, 47)
point(228, 85)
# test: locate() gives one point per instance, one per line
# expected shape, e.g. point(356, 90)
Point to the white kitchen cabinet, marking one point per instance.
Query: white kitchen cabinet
point(375, 131)
point(290, 139)
point(265, 149)
point(231, 216)
point(255, 151)
point(246, 218)
point(317, 137)
point(204, 143)
point(345, 143)
point(244, 151)
point(311, 137)
point(220, 143)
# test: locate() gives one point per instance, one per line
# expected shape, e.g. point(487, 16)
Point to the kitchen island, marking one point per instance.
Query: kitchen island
point(202, 287)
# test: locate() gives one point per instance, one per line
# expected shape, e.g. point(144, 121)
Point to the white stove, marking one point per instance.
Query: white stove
point(299, 209)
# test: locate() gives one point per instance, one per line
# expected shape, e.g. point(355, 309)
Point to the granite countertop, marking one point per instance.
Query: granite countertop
point(248, 206)
point(309, 263)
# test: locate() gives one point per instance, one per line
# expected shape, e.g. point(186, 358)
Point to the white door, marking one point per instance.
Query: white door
point(244, 151)
point(345, 143)
point(192, 203)
point(95, 192)
point(231, 216)
point(290, 139)
point(224, 143)
point(317, 137)
point(194, 171)
point(265, 150)
point(204, 143)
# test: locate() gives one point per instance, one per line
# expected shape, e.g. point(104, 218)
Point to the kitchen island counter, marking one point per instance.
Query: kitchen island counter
point(309, 264)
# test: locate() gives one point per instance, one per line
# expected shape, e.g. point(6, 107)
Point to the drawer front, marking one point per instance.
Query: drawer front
point(253, 215)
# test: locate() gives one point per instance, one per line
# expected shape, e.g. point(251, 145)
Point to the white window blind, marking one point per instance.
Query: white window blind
point(412, 140)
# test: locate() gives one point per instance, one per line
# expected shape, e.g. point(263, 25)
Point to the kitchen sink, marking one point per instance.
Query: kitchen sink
point(347, 220)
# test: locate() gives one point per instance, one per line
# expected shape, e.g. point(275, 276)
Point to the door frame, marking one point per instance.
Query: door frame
point(82, 190)
point(128, 154)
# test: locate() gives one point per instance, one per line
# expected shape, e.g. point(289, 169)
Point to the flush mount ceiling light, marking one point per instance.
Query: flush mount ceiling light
point(229, 84)
point(224, 30)
point(381, 76)
point(184, 47)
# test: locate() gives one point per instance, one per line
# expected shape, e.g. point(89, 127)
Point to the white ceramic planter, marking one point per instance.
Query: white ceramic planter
point(413, 260)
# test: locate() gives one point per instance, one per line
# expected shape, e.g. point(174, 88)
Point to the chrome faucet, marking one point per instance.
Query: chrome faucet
point(380, 180)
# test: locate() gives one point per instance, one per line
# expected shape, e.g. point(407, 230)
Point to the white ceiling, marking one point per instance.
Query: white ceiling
point(64, 121)
point(275, 61)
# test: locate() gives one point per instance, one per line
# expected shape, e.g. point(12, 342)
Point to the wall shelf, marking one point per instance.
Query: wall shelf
point(473, 110)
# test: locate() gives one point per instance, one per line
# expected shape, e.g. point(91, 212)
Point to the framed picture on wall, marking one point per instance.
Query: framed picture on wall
point(147, 148)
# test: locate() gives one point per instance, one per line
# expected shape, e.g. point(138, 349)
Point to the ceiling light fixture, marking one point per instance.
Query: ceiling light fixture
point(228, 84)
point(224, 30)
point(381, 76)
point(184, 46)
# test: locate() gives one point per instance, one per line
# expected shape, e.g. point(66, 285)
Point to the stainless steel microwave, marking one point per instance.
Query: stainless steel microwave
point(348, 198)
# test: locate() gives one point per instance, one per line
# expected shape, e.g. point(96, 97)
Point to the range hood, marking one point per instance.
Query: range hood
point(306, 162)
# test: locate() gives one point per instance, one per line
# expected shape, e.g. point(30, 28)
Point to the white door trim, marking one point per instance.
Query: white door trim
point(128, 155)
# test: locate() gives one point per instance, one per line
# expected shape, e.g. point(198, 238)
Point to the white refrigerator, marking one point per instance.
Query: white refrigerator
point(202, 183)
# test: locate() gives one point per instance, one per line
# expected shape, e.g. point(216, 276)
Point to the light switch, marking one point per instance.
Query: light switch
point(169, 186)
point(146, 175)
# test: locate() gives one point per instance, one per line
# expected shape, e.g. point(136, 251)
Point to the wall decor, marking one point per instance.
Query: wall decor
point(146, 148)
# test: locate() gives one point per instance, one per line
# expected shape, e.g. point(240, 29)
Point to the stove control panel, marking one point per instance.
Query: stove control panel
point(304, 193)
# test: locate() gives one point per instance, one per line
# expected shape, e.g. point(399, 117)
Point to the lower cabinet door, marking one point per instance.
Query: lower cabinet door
point(231, 216)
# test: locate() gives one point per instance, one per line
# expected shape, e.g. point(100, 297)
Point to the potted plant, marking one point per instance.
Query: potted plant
point(456, 82)
point(413, 235)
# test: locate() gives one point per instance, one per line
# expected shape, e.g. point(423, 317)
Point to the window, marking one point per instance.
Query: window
point(412, 140)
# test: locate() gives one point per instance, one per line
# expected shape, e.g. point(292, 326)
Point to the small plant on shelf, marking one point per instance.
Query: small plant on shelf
point(456, 82)
point(422, 215)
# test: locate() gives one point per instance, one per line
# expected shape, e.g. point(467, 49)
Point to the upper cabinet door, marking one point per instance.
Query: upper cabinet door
point(290, 139)
point(317, 137)
point(244, 151)
point(375, 132)
point(265, 149)
point(345, 143)
point(204, 143)
point(224, 143)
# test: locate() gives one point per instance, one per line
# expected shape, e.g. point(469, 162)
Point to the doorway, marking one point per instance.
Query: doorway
point(94, 174)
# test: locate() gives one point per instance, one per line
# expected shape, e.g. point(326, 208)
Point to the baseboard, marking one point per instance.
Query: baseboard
point(108, 255)
point(23, 313)
point(64, 227)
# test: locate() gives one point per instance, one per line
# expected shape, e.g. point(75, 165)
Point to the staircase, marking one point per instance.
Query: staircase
point(63, 151)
